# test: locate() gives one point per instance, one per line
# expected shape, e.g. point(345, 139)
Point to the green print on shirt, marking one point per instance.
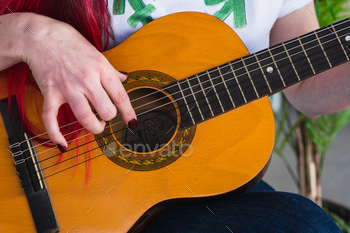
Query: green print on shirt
point(142, 12)
point(237, 7)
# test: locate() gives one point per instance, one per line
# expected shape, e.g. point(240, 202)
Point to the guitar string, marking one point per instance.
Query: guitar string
point(185, 89)
point(81, 145)
point(67, 159)
point(88, 151)
point(92, 149)
point(233, 62)
point(193, 101)
point(71, 149)
point(85, 152)
point(110, 133)
point(118, 139)
point(205, 88)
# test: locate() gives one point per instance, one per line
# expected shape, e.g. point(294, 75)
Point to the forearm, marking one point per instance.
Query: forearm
point(12, 34)
point(67, 69)
point(325, 93)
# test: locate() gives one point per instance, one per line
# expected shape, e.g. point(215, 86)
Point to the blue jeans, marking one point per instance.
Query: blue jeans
point(260, 210)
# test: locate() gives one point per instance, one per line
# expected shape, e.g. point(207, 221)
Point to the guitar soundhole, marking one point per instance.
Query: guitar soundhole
point(156, 123)
point(155, 130)
point(157, 140)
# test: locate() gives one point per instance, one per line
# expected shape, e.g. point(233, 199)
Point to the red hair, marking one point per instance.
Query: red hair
point(89, 17)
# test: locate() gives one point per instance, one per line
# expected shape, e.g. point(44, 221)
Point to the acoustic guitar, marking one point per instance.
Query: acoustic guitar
point(205, 130)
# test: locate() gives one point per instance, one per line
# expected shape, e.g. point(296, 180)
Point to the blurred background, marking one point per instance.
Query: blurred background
point(312, 156)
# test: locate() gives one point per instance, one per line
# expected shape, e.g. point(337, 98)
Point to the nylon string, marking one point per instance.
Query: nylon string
point(188, 88)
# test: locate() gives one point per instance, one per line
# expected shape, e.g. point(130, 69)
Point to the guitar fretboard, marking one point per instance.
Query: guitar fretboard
point(223, 88)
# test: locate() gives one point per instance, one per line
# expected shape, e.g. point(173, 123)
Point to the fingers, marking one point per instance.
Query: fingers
point(100, 95)
point(111, 82)
point(50, 110)
point(122, 75)
point(82, 111)
point(101, 102)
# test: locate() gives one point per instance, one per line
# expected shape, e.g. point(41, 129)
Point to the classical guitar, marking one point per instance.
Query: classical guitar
point(204, 130)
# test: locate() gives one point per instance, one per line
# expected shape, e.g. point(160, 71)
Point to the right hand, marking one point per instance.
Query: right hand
point(68, 69)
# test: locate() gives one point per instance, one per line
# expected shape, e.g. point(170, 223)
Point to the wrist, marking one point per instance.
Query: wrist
point(34, 29)
point(12, 39)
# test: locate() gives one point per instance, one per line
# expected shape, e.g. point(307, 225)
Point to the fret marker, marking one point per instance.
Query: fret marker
point(347, 38)
point(269, 69)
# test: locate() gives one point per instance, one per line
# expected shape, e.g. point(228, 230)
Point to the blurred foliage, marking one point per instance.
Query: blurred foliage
point(329, 11)
point(340, 222)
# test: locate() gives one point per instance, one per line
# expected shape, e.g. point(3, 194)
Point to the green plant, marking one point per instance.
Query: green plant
point(329, 11)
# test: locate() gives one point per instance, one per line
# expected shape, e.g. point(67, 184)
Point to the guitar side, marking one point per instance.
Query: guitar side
point(228, 151)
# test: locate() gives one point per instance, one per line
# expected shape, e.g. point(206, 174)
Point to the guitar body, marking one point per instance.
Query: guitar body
point(230, 152)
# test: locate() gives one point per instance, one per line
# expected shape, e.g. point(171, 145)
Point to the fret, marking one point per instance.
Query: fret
point(239, 86)
point(291, 61)
point(205, 96)
point(174, 90)
point(342, 29)
point(302, 46)
point(214, 89)
point(314, 52)
point(243, 81)
point(189, 110)
point(250, 78)
point(227, 90)
point(232, 85)
point(221, 89)
point(271, 70)
point(190, 101)
point(346, 55)
point(299, 58)
point(203, 104)
point(331, 45)
point(279, 73)
point(256, 76)
point(209, 92)
point(330, 65)
point(261, 69)
point(195, 100)
point(284, 66)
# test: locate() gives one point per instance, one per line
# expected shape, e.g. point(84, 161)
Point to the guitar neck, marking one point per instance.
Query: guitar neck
point(261, 74)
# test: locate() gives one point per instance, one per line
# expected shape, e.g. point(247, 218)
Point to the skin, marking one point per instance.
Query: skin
point(94, 77)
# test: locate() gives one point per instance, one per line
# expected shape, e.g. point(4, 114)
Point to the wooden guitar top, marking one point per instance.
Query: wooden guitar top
point(229, 151)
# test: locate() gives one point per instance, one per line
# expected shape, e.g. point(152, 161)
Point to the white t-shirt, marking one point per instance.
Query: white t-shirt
point(252, 20)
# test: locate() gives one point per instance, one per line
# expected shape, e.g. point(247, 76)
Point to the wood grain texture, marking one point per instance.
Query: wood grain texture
point(228, 150)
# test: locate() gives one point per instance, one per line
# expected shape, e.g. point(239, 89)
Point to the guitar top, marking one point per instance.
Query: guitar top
point(196, 141)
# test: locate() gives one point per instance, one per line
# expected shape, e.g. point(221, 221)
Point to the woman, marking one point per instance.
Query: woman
point(69, 69)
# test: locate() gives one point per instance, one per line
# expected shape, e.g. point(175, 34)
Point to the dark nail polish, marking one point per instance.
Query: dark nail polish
point(61, 147)
point(133, 124)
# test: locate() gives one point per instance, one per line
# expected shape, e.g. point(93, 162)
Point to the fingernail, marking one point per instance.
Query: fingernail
point(124, 73)
point(133, 124)
point(61, 147)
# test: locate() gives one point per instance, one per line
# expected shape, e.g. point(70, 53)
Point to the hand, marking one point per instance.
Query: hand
point(68, 69)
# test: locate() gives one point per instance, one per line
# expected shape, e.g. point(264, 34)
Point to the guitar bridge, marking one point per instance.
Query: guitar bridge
point(29, 172)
